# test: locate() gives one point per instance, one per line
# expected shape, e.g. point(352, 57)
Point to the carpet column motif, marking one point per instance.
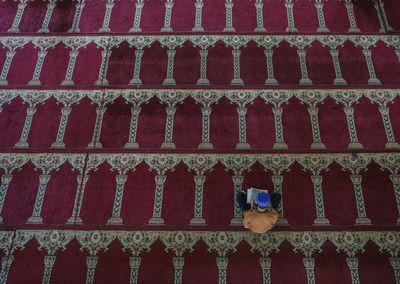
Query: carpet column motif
point(303, 68)
point(6, 262)
point(198, 16)
point(391, 142)
point(270, 67)
point(259, 16)
point(95, 143)
point(169, 128)
point(222, 264)
point(362, 215)
point(77, 16)
point(49, 12)
point(396, 184)
point(205, 133)
point(352, 263)
point(107, 17)
point(395, 263)
point(317, 144)
point(229, 16)
point(198, 201)
point(279, 142)
point(65, 111)
point(319, 201)
point(6, 67)
point(277, 180)
point(138, 16)
point(105, 58)
point(134, 263)
point(309, 263)
point(136, 71)
point(132, 144)
point(49, 261)
point(43, 45)
point(265, 263)
point(23, 141)
point(178, 262)
point(158, 199)
point(371, 69)
point(290, 18)
point(338, 71)
point(37, 209)
point(350, 14)
point(5, 182)
point(319, 5)
point(119, 194)
point(91, 262)
point(167, 19)
point(80, 191)
point(18, 17)
point(379, 6)
point(170, 67)
point(237, 213)
point(74, 45)
point(242, 144)
point(351, 126)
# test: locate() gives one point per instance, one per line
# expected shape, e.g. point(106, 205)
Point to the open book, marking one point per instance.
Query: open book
point(252, 194)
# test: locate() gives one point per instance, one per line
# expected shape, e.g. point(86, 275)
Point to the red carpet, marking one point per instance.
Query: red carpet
point(126, 127)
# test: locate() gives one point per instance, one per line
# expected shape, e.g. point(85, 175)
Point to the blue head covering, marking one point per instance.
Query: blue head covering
point(263, 200)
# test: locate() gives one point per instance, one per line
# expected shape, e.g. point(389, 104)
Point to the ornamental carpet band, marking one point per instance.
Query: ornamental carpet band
point(128, 126)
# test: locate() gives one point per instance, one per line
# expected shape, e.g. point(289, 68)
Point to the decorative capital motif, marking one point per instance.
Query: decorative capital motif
point(21, 239)
point(139, 42)
point(366, 41)
point(136, 242)
point(200, 163)
point(179, 242)
point(136, 97)
point(171, 42)
point(70, 97)
point(123, 163)
point(301, 42)
point(238, 163)
point(206, 97)
point(95, 241)
point(347, 97)
point(388, 241)
point(6, 239)
point(354, 163)
point(204, 41)
point(12, 43)
point(48, 162)
point(381, 97)
point(315, 163)
point(44, 43)
point(332, 41)
point(53, 241)
point(276, 97)
point(76, 43)
point(162, 163)
point(268, 42)
point(221, 242)
point(34, 97)
point(96, 97)
point(265, 243)
point(311, 98)
point(236, 42)
point(349, 242)
point(172, 98)
point(241, 98)
point(307, 242)
point(276, 163)
point(11, 162)
point(390, 163)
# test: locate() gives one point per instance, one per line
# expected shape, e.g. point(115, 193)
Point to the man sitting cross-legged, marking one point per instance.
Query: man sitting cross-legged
point(260, 216)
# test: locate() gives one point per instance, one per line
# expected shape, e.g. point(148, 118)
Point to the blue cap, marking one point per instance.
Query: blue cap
point(263, 200)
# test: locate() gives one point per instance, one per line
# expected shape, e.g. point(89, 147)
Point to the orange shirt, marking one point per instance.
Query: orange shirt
point(259, 222)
